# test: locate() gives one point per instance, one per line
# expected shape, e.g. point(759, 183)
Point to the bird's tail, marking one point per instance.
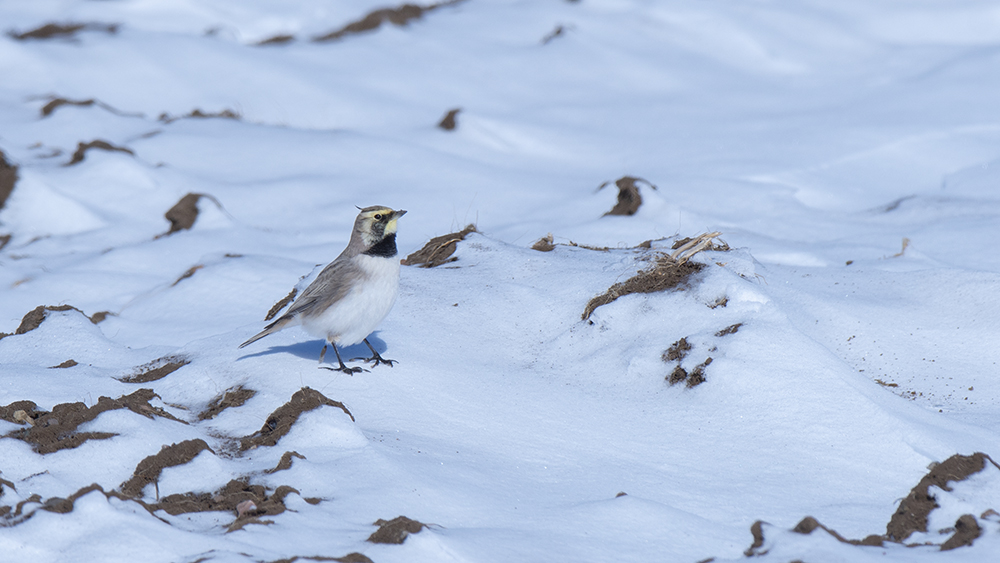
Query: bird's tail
point(277, 325)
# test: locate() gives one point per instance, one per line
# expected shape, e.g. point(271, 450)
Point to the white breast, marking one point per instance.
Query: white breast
point(355, 316)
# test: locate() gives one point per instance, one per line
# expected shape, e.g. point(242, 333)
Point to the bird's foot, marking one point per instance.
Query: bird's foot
point(345, 369)
point(376, 360)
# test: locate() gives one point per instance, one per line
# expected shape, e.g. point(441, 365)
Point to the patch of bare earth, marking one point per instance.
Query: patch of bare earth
point(8, 177)
point(449, 122)
point(63, 31)
point(157, 369)
point(34, 318)
point(912, 514)
point(81, 150)
point(399, 16)
point(198, 114)
point(281, 420)
point(396, 530)
point(49, 432)
point(438, 250)
point(232, 398)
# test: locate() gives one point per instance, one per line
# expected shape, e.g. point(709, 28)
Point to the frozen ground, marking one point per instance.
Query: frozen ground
point(847, 152)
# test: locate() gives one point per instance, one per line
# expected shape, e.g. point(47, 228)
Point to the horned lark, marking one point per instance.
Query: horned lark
point(352, 295)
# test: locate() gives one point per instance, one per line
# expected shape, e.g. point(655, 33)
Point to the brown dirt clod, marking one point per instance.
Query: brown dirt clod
point(677, 351)
point(184, 213)
point(281, 304)
point(544, 244)
point(82, 148)
point(8, 177)
point(281, 420)
point(448, 122)
point(395, 531)
point(276, 40)
point(187, 274)
point(911, 516)
point(232, 398)
point(55, 103)
point(157, 369)
point(967, 530)
point(198, 114)
point(56, 430)
point(629, 199)
point(697, 375)
point(54, 30)
point(677, 375)
point(285, 462)
point(4, 239)
point(67, 364)
point(148, 470)
point(665, 274)
point(438, 250)
point(399, 16)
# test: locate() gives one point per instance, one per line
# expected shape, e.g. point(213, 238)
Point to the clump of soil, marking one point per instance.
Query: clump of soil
point(4, 239)
point(148, 470)
point(34, 318)
point(67, 364)
point(395, 531)
point(56, 31)
point(187, 274)
point(438, 250)
point(694, 378)
point(82, 148)
point(731, 329)
point(913, 511)
point(448, 122)
point(349, 558)
point(911, 516)
point(677, 351)
point(281, 420)
point(396, 16)
point(544, 244)
point(198, 114)
point(232, 398)
point(183, 214)
point(157, 369)
point(53, 431)
point(665, 274)
point(285, 462)
point(8, 177)
point(276, 40)
point(55, 103)
point(281, 304)
point(629, 199)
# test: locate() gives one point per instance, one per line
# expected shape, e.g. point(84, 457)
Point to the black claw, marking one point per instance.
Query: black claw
point(345, 369)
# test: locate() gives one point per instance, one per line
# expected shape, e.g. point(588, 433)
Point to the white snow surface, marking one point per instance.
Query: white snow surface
point(848, 152)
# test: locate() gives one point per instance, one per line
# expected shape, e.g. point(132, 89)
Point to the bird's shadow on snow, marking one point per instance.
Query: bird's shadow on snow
point(310, 350)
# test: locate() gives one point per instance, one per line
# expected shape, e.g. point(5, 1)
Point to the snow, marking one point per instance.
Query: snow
point(847, 153)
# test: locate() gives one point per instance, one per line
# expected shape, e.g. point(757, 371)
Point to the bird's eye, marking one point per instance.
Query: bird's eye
point(378, 216)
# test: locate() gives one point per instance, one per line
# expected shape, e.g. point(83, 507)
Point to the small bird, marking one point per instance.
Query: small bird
point(352, 294)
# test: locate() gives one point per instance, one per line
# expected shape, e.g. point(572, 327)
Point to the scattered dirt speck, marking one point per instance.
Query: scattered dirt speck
point(67, 364)
point(559, 30)
point(198, 114)
point(448, 122)
point(4, 239)
point(157, 369)
point(731, 329)
point(55, 103)
point(281, 420)
point(438, 250)
point(276, 40)
point(629, 199)
point(82, 148)
point(187, 274)
point(395, 531)
point(232, 398)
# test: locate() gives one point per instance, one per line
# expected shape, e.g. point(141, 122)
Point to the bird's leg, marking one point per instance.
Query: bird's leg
point(376, 358)
point(322, 354)
point(343, 368)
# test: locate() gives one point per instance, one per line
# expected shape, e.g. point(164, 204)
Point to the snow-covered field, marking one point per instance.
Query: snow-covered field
point(848, 153)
